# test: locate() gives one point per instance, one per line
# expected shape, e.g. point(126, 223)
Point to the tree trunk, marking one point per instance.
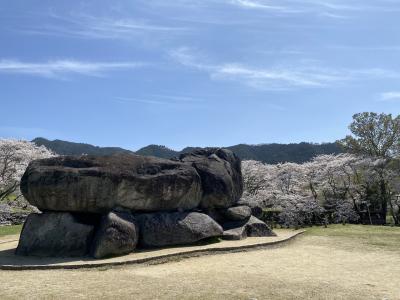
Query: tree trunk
point(384, 199)
point(392, 212)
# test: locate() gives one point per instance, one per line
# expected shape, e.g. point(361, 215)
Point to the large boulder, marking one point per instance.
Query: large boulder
point(100, 184)
point(221, 176)
point(56, 234)
point(166, 229)
point(253, 227)
point(116, 235)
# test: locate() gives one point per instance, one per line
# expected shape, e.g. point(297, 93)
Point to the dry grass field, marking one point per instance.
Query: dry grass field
point(341, 262)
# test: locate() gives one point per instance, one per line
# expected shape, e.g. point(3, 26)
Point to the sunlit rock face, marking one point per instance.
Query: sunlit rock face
point(100, 184)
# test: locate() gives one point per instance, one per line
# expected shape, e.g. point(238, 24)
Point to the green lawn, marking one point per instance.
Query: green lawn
point(9, 230)
point(339, 262)
point(370, 236)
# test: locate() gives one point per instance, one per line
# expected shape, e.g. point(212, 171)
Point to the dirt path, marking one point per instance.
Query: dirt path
point(10, 261)
point(312, 267)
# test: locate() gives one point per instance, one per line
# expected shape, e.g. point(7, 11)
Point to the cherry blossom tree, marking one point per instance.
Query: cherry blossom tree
point(330, 186)
point(377, 136)
point(283, 187)
point(15, 156)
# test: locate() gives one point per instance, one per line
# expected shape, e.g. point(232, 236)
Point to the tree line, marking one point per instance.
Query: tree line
point(267, 153)
point(362, 185)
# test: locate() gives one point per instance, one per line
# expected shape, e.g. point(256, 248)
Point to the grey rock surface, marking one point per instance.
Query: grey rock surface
point(256, 209)
point(116, 235)
point(226, 215)
point(99, 184)
point(235, 233)
point(237, 213)
point(56, 234)
point(221, 176)
point(250, 228)
point(257, 228)
point(166, 229)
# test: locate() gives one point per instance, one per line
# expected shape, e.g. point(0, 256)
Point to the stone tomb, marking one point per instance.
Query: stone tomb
point(109, 205)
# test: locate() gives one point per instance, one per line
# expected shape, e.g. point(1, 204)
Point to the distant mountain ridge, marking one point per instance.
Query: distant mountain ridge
point(71, 148)
point(267, 153)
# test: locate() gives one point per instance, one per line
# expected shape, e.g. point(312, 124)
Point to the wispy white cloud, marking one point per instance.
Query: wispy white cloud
point(334, 16)
point(158, 99)
point(188, 57)
point(327, 8)
point(257, 5)
point(390, 96)
point(60, 68)
point(283, 77)
point(290, 5)
point(388, 48)
point(139, 100)
point(92, 27)
point(335, 5)
point(177, 98)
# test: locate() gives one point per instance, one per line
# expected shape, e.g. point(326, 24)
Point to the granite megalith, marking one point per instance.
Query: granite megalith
point(100, 184)
point(106, 206)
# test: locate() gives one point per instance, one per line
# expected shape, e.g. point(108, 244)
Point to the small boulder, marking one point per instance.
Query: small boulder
point(237, 213)
point(257, 228)
point(167, 229)
point(56, 234)
point(250, 228)
point(221, 176)
point(116, 235)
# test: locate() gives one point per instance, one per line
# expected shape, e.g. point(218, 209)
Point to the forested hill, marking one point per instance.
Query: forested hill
point(276, 153)
point(268, 153)
point(70, 148)
point(158, 151)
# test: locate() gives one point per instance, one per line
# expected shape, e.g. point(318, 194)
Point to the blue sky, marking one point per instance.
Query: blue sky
point(195, 73)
